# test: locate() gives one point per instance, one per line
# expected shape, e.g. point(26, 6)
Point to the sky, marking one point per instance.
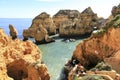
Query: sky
point(32, 8)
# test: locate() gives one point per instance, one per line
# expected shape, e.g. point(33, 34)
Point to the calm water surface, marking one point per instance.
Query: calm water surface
point(56, 54)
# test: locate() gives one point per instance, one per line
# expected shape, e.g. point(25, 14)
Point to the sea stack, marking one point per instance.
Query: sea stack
point(13, 31)
point(42, 26)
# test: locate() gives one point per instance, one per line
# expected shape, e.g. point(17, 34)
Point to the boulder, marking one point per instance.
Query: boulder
point(13, 31)
point(20, 60)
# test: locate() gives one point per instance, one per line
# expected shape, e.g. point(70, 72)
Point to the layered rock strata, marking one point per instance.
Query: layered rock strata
point(20, 60)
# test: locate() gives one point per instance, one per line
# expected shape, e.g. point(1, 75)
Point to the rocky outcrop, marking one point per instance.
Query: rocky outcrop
point(13, 31)
point(46, 21)
point(116, 10)
point(20, 60)
point(39, 33)
point(64, 15)
point(42, 26)
point(81, 25)
point(97, 48)
point(103, 45)
point(101, 71)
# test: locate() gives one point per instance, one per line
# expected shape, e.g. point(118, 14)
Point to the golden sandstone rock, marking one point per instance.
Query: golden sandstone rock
point(20, 60)
point(42, 26)
point(13, 31)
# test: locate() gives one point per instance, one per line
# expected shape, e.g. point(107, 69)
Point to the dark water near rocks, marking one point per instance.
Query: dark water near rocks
point(54, 55)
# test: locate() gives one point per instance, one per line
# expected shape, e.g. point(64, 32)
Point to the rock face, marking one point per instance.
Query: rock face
point(64, 15)
point(41, 27)
point(20, 60)
point(13, 31)
point(39, 33)
point(79, 25)
point(96, 49)
point(103, 45)
point(46, 21)
point(116, 10)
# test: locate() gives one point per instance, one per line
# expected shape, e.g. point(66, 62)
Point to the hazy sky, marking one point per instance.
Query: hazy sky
point(31, 8)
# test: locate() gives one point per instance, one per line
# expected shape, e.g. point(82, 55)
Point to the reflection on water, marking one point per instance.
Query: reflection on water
point(56, 54)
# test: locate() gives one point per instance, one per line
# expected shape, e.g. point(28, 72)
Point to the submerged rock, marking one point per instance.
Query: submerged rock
point(13, 31)
point(20, 60)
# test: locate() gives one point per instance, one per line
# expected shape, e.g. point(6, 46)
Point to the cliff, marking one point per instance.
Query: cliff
point(103, 45)
point(64, 15)
point(46, 21)
point(20, 60)
point(79, 25)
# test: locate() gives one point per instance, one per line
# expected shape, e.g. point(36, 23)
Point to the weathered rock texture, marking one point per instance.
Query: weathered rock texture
point(64, 15)
point(42, 26)
point(96, 49)
point(13, 31)
point(79, 25)
point(46, 21)
point(116, 10)
point(39, 33)
point(20, 60)
point(103, 45)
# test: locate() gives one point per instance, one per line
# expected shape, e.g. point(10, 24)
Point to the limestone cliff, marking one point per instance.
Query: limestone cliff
point(103, 45)
point(64, 15)
point(80, 25)
point(46, 21)
point(42, 26)
point(13, 31)
point(20, 60)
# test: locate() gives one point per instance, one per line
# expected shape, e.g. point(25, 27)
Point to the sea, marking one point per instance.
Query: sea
point(54, 54)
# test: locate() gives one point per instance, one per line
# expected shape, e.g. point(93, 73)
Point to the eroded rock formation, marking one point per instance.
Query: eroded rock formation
point(39, 33)
point(79, 25)
point(46, 21)
point(42, 26)
point(13, 31)
point(103, 45)
point(64, 15)
point(20, 60)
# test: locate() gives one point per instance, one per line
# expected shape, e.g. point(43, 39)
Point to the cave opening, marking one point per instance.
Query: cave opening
point(17, 70)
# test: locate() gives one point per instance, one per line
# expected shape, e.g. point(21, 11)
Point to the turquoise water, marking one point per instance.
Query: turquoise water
point(56, 54)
